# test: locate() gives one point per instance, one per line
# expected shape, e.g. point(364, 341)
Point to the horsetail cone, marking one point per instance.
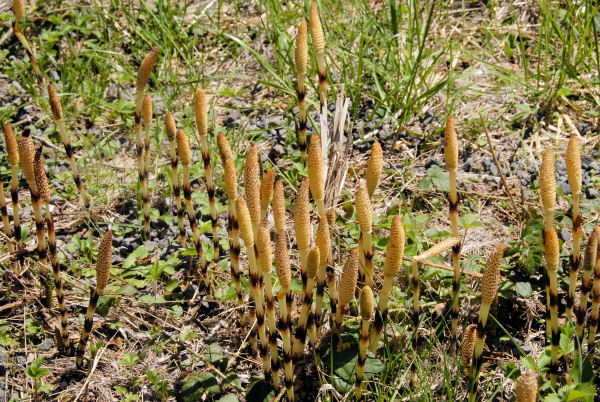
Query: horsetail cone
point(282, 260)
point(230, 179)
point(263, 244)
point(12, 149)
point(252, 185)
point(244, 222)
point(526, 387)
point(316, 29)
point(323, 241)
point(467, 347)
point(183, 147)
point(366, 303)
point(589, 261)
point(170, 126)
point(104, 261)
point(315, 172)
point(548, 184)
point(279, 206)
point(302, 224)
point(266, 191)
point(41, 180)
point(551, 250)
point(55, 106)
point(147, 109)
point(348, 279)
point(26, 155)
point(19, 9)
point(200, 110)
point(312, 263)
point(301, 52)
point(364, 212)
point(144, 73)
point(451, 147)
point(438, 248)
point(574, 164)
point(374, 168)
point(223, 145)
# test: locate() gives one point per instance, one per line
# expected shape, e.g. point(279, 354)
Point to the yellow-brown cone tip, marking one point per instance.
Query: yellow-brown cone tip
point(279, 206)
point(223, 145)
point(147, 109)
point(451, 147)
point(244, 222)
point(315, 168)
point(551, 249)
point(200, 110)
point(574, 164)
point(145, 69)
point(548, 180)
point(323, 238)
point(348, 279)
point(395, 248)
point(282, 260)
point(302, 217)
point(316, 29)
point(374, 168)
point(312, 264)
point(264, 247)
point(170, 126)
point(183, 146)
point(41, 180)
point(468, 345)
point(55, 105)
point(439, 248)
point(19, 9)
point(252, 184)
point(591, 249)
point(491, 275)
point(26, 155)
point(12, 149)
point(104, 260)
point(364, 211)
point(366, 303)
point(301, 48)
point(230, 179)
point(526, 387)
point(266, 189)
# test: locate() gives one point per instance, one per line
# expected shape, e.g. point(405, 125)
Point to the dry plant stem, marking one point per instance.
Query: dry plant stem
point(6, 222)
point(58, 284)
point(589, 260)
point(57, 114)
point(12, 151)
point(595, 317)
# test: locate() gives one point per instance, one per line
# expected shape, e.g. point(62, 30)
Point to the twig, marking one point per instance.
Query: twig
point(507, 190)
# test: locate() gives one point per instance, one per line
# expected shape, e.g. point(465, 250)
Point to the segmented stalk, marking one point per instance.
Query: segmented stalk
point(552, 255)
point(366, 304)
point(318, 41)
point(573, 161)
point(301, 58)
point(451, 156)
point(284, 274)
point(41, 181)
point(347, 287)
point(183, 147)
point(102, 275)
point(364, 213)
point(330, 273)
point(202, 127)
point(246, 231)
point(311, 270)
point(302, 226)
point(316, 175)
point(548, 197)
point(323, 241)
point(468, 346)
point(595, 317)
point(57, 115)
point(266, 261)
point(589, 260)
point(171, 134)
point(391, 265)
point(6, 222)
point(147, 116)
point(12, 150)
point(489, 287)
point(526, 387)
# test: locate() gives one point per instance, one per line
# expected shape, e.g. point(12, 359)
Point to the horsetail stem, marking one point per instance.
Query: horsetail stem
point(589, 260)
point(318, 42)
point(330, 273)
point(284, 274)
point(468, 346)
point(323, 241)
point(391, 265)
point(366, 304)
point(12, 150)
point(312, 266)
point(316, 176)
point(171, 135)
point(266, 191)
point(552, 255)
point(302, 226)
point(41, 181)
point(57, 115)
point(102, 275)
point(233, 232)
point(526, 387)
point(374, 168)
point(185, 155)
point(364, 212)
point(301, 59)
point(279, 206)
point(19, 10)
point(489, 287)
point(595, 317)
point(147, 118)
point(246, 230)
point(6, 222)
point(573, 162)
point(265, 251)
point(451, 156)
point(202, 127)
point(347, 287)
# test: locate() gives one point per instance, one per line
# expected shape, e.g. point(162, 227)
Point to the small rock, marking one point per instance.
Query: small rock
point(21, 360)
point(565, 234)
point(591, 193)
point(46, 345)
point(565, 187)
point(150, 245)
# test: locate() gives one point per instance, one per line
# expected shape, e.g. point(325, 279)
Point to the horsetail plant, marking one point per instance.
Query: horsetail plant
point(468, 346)
point(526, 387)
point(573, 162)
point(57, 115)
point(6, 222)
point(332, 289)
point(300, 337)
point(202, 127)
point(41, 181)
point(224, 148)
point(301, 58)
point(451, 156)
point(102, 275)
point(366, 304)
point(552, 255)
point(185, 155)
point(595, 316)
point(266, 192)
point(284, 298)
point(147, 119)
point(12, 151)
point(302, 227)
point(234, 237)
point(318, 42)
point(265, 251)
point(19, 11)
point(489, 288)
point(347, 287)
point(246, 231)
point(364, 212)
point(374, 168)
point(323, 241)
point(171, 130)
point(391, 265)
point(279, 206)
point(316, 176)
point(589, 260)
